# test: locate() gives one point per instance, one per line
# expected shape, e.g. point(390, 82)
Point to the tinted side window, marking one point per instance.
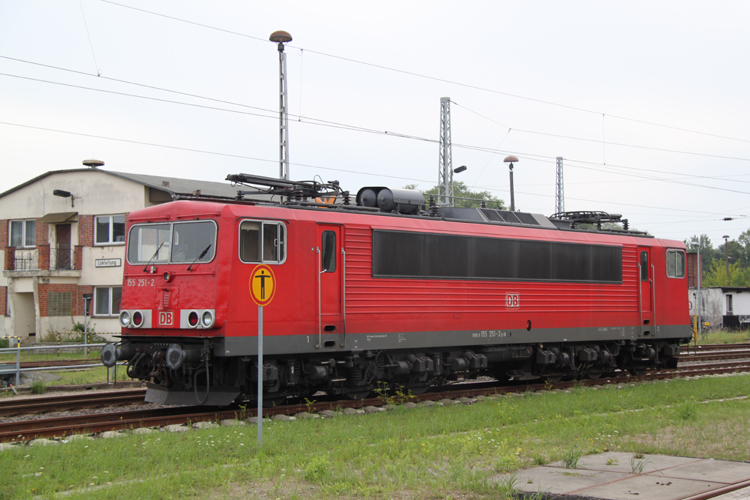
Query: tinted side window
point(329, 252)
point(644, 266)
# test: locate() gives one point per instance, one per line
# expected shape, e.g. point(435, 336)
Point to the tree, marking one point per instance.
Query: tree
point(708, 252)
point(743, 248)
point(464, 197)
point(717, 274)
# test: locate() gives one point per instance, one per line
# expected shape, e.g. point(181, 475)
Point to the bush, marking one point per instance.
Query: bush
point(4, 343)
point(37, 387)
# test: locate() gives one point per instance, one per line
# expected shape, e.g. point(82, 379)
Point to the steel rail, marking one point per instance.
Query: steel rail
point(713, 355)
point(45, 404)
point(716, 347)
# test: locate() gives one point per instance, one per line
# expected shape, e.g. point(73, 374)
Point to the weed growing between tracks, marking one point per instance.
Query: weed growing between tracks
point(438, 452)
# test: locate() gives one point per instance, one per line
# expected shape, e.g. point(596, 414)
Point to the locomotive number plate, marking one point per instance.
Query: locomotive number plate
point(166, 318)
point(512, 300)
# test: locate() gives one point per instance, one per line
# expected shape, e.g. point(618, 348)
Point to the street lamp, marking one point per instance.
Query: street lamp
point(65, 194)
point(510, 160)
point(282, 37)
point(456, 170)
point(726, 254)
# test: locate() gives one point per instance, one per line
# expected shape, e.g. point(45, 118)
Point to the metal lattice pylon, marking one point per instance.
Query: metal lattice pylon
point(445, 169)
point(559, 189)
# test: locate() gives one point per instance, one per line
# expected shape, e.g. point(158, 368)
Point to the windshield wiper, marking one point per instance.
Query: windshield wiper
point(153, 257)
point(203, 254)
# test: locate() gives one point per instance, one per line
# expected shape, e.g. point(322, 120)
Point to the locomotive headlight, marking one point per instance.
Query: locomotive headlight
point(193, 319)
point(137, 319)
point(125, 319)
point(207, 320)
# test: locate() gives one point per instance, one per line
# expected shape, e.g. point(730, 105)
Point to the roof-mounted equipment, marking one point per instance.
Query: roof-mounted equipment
point(404, 201)
point(574, 219)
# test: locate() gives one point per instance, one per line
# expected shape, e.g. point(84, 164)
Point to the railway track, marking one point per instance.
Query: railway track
point(715, 347)
point(95, 423)
point(8, 365)
point(92, 400)
point(67, 402)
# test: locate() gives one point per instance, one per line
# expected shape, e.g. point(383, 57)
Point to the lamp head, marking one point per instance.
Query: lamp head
point(280, 37)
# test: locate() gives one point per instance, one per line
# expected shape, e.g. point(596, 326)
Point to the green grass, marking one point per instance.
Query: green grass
point(87, 376)
point(437, 452)
point(93, 355)
point(724, 337)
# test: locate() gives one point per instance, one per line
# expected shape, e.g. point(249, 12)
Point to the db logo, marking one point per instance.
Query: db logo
point(165, 318)
point(512, 300)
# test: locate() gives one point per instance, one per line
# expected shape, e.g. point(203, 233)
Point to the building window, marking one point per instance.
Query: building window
point(107, 300)
point(60, 304)
point(675, 263)
point(23, 233)
point(109, 229)
point(262, 242)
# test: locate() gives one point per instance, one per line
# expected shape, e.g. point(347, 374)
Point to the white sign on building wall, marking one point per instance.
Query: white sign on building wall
point(108, 262)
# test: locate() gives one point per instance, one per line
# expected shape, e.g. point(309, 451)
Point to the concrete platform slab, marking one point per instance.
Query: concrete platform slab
point(715, 470)
point(559, 480)
point(649, 487)
point(618, 476)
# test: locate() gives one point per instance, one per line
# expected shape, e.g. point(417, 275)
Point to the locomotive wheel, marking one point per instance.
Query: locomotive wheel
point(594, 374)
point(553, 379)
point(637, 371)
point(418, 389)
point(358, 394)
point(273, 402)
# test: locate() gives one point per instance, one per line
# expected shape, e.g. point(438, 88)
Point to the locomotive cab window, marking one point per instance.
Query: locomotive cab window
point(262, 241)
point(328, 252)
point(675, 263)
point(172, 243)
point(644, 266)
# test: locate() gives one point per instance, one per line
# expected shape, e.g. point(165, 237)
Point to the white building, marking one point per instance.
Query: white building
point(62, 235)
point(722, 307)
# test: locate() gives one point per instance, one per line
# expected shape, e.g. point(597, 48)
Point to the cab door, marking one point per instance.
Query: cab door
point(646, 283)
point(330, 281)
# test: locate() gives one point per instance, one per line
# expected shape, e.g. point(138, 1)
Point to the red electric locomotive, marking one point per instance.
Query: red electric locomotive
point(382, 291)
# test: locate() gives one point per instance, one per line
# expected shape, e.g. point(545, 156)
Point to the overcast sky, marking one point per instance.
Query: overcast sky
point(646, 101)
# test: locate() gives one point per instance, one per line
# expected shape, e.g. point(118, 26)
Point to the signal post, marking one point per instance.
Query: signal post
point(262, 289)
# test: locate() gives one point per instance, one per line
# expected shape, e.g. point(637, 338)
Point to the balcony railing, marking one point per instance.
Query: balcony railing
point(61, 258)
point(26, 260)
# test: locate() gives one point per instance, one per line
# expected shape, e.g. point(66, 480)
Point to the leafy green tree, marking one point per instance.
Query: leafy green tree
point(708, 252)
point(466, 198)
point(716, 275)
point(742, 246)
